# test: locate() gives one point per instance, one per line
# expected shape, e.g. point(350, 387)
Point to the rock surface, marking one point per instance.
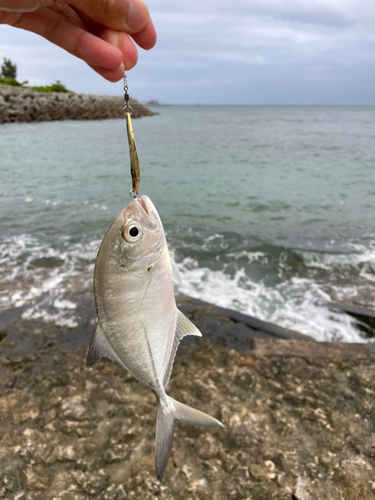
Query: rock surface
point(298, 427)
point(24, 105)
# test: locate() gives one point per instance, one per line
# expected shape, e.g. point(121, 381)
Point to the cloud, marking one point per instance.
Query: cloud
point(286, 51)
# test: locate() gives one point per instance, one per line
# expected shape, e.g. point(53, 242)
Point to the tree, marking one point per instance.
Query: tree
point(57, 86)
point(8, 69)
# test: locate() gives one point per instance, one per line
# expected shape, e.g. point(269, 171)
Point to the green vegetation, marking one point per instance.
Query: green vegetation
point(8, 69)
point(57, 86)
point(8, 76)
point(12, 81)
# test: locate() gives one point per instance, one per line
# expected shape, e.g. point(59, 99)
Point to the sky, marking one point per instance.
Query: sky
point(230, 52)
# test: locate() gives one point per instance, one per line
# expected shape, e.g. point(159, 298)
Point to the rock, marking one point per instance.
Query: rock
point(90, 483)
point(61, 484)
point(297, 424)
point(208, 446)
point(36, 478)
point(65, 453)
point(23, 105)
point(266, 471)
point(73, 407)
point(335, 350)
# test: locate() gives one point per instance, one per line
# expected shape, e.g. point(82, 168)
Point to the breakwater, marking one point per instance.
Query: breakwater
point(25, 105)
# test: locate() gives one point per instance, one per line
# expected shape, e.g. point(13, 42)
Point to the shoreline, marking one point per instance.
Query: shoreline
point(19, 105)
point(72, 306)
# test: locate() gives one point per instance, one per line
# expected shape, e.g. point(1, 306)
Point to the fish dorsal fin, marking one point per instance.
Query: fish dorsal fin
point(100, 348)
point(177, 278)
point(183, 327)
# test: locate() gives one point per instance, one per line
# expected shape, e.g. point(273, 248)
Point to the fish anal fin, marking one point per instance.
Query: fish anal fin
point(183, 327)
point(177, 278)
point(100, 348)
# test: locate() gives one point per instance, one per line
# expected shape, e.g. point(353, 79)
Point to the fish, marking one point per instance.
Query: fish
point(139, 324)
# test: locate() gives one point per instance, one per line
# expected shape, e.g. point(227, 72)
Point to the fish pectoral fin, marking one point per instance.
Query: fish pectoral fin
point(183, 327)
point(177, 278)
point(100, 348)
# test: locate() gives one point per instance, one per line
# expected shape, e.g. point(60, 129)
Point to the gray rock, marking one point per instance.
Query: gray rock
point(23, 105)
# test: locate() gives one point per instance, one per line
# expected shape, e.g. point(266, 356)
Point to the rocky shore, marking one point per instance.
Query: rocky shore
point(24, 105)
point(298, 414)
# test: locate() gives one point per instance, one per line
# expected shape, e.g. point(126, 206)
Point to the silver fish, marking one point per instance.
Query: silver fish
point(140, 326)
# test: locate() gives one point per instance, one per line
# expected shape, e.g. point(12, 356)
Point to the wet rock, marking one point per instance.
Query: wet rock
point(73, 407)
point(63, 453)
point(91, 483)
point(208, 447)
point(296, 427)
point(265, 471)
point(36, 478)
point(61, 483)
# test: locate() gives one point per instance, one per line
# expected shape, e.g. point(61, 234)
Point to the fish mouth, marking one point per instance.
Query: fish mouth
point(143, 204)
point(148, 208)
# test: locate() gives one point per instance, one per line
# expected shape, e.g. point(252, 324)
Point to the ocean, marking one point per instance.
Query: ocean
point(269, 210)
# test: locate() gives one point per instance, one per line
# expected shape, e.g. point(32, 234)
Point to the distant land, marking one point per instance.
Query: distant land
point(153, 102)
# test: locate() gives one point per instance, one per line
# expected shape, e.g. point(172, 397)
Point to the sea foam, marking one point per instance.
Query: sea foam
point(40, 275)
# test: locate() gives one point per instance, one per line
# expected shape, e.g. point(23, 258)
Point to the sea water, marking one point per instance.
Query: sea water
point(268, 210)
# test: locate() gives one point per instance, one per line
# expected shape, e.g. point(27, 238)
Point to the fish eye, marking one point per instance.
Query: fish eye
point(132, 233)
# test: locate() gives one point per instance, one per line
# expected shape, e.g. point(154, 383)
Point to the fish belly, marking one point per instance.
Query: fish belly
point(138, 317)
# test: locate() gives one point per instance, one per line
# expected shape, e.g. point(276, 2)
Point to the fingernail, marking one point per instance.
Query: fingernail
point(137, 15)
point(21, 5)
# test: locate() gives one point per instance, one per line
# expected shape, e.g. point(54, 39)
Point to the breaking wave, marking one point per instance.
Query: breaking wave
point(40, 274)
point(299, 304)
point(298, 297)
point(291, 288)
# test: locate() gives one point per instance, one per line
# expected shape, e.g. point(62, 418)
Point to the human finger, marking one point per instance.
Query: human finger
point(19, 5)
point(59, 30)
point(109, 74)
point(124, 43)
point(130, 16)
point(146, 38)
point(9, 17)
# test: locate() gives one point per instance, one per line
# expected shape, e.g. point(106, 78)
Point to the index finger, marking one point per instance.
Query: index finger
point(130, 16)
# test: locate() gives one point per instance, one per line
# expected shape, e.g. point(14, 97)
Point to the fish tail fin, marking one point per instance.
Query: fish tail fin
point(164, 437)
point(169, 411)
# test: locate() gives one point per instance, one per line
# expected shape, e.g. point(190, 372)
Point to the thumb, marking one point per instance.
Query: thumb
point(130, 16)
point(19, 5)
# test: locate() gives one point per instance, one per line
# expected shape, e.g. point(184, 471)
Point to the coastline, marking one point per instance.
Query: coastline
point(19, 105)
point(298, 414)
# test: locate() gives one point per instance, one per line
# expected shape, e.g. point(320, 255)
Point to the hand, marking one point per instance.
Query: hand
point(95, 31)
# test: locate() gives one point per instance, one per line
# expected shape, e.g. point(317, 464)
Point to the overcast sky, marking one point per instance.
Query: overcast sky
point(230, 52)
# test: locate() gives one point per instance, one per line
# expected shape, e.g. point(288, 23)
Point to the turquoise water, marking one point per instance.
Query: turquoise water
point(269, 210)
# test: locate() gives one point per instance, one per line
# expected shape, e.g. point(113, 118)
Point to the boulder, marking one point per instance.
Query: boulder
point(23, 105)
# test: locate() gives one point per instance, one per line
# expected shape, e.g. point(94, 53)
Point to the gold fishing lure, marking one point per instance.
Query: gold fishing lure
point(134, 161)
